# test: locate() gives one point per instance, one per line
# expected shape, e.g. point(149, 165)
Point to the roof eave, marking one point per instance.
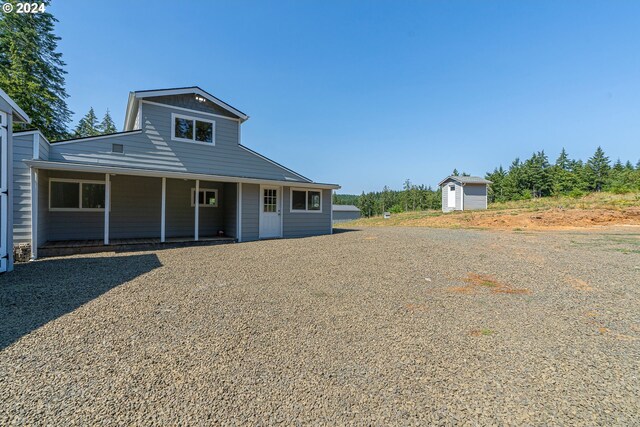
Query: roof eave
point(17, 111)
point(83, 167)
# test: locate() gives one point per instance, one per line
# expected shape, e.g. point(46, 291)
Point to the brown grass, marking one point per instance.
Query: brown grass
point(549, 213)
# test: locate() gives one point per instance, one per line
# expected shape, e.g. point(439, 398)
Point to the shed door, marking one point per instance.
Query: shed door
point(451, 197)
point(4, 188)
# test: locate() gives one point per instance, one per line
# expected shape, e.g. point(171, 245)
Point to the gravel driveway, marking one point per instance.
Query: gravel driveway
point(379, 326)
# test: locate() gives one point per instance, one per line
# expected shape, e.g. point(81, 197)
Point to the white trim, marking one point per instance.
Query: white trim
point(79, 182)
point(197, 215)
point(239, 213)
point(163, 211)
point(139, 117)
point(331, 222)
point(189, 110)
point(306, 200)
point(92, 138)
point(279, 197)
point(21, 114)
point(461, 197)
point(203, 190)
point(274, 163)
point(36, 146)
point(191, 90)
point(107, 205)
point(34, 213)
point(4, 189)
point(175, 116)
point(84, 167)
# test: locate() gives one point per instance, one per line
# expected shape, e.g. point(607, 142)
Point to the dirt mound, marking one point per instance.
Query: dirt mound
point(537, 220)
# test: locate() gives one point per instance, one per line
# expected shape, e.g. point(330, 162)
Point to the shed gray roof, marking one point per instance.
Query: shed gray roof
point(345, 208)
point(466, 180)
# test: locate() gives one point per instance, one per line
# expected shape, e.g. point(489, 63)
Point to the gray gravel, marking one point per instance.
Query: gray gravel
point(367, 327)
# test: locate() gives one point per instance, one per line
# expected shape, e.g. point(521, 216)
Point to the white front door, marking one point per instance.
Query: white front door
point(270, 215)
point(4, 188)
point(451, 197)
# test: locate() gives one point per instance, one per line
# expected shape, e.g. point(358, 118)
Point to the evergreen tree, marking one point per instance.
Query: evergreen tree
point(32, 71)
point(107, 125)
point(597, 170)
point(456, 173)
point(88, 125)
point(564, 181)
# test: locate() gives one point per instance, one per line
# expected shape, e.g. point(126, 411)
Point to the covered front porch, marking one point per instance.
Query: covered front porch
point(81, 212)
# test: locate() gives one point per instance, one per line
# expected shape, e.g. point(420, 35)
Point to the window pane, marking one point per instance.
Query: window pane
point(211, 198)
point(201, 197)
point(184, 128)
point(65, 194)
point(93, 196)
point(204, 131)
point(299, 200)
point(314, 200)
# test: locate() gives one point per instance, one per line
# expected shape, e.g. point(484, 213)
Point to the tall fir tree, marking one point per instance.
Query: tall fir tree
point(32, 70)
point(88, 125)
point(597, 170)
point(107, 125)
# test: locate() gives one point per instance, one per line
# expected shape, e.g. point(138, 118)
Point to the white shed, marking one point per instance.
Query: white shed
point(9, 113)
point(461, 193)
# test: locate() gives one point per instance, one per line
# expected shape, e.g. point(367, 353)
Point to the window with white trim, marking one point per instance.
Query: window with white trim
point(192, 129)
point(74, 195)
point(306, 200)
point(206, 197)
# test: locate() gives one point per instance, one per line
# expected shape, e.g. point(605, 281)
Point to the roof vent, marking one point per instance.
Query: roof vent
point(200, 98)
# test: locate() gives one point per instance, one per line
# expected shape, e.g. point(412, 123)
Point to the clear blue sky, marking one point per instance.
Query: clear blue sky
point(370, 93)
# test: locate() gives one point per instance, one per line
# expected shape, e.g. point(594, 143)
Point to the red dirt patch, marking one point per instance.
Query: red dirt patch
point(478, 281)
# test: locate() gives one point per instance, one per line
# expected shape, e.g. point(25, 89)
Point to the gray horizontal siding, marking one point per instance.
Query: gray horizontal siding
point(154, 149)
point(230, 209)
point(72, 225)
point(181, 215)
point(299, 224)
point(22, 150)
point(136, 204)
point(43, 150)
point(475, 197)
point(250, 212)
point(189, 101)
point(342, 216)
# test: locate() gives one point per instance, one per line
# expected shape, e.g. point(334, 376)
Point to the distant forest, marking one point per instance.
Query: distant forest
point(532, 178)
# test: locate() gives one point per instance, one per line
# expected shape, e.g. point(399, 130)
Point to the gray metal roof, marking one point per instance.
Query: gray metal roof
point(466, 180)
point(345, 208)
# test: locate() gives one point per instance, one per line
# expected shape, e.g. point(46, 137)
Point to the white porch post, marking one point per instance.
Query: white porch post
point(34, 214)
point(107, 206)
point(163, 215)
point(239, 212)
point(197, 209)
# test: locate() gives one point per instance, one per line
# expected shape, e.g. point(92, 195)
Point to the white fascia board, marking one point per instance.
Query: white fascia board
point(81, 167)
point(16, 110)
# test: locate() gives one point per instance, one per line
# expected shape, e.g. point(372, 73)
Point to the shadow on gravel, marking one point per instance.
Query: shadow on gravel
point(38, 292)
point(344, 230)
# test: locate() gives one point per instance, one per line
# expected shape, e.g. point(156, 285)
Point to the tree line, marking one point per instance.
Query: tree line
point(32, 73)
point(532, 178)
point(538, 177)
point(411, 198)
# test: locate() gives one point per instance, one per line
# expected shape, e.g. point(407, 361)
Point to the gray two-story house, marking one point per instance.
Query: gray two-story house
point(177, 171)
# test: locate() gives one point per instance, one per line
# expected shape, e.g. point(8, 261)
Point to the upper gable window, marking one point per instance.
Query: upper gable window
point(192, 129)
